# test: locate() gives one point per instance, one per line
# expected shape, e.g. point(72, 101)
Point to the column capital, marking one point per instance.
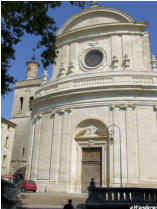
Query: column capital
point(155, 108)
point(122, 106)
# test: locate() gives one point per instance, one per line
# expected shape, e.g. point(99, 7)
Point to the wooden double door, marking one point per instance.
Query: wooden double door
point(91, 167)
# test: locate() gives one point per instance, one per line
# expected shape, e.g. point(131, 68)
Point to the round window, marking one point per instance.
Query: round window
point(93, 58)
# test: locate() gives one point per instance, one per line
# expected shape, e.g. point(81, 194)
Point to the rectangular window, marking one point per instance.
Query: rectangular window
point(7, 142)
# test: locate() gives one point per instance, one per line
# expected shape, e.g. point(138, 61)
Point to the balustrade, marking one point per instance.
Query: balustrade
point(96, 81)
point(120, 197)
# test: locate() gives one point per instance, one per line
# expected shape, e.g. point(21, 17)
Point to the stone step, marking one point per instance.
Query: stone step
point(54, 200)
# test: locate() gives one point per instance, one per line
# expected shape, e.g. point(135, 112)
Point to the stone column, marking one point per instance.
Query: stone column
point(119, 145)
point(35, 147)
point(44, 148)
point(29, 152)
point(64, 155)
point(132, 145)
point(72, 157)
point(110, 171)
point(56, 146)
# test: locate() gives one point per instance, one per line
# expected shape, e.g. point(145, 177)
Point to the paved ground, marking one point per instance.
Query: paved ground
point(49, 200)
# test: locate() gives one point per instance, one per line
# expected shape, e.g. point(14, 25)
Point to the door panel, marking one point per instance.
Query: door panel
point(91, 167)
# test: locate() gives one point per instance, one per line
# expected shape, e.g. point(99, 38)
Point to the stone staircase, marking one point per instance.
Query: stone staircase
point(51, 200)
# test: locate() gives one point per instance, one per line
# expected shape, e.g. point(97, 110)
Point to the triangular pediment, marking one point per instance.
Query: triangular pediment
point(91, 132)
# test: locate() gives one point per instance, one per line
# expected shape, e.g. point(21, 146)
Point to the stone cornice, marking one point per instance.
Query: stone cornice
point(93, 32)
point(37, 116)
point(28, 83)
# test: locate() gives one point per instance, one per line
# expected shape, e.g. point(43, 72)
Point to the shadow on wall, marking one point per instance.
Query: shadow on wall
point(20, 172)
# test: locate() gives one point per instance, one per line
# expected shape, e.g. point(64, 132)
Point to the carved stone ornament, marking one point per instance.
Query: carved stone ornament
point(68, 109)
point(38, 116)
point(93, 43)
point(28, 90)
point(126, 62)
point(155, 108)
point(154, 63)
point(60, 111)
point(91, 143)
point(53, 113)
point(71, 68)
point(91, 131)
point(62, 70)
point(123, 106)
point(45, 75)
point(114, 63)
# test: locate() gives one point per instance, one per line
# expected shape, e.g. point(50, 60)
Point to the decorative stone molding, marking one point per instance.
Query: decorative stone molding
point(62, 70)
point(133, 106)
point(93, 43)
point(71, 68)
point(91, 143)
point(60, 111)
point(155, 108)
point(68, 109)
point(122, 106)
point(38, 116)
point(93, 4)
point(92, 46)
point(126, 62)
point(45, 75)
point(134, 79)
point(91, 131)
point(114, 63)
point(53, 113)
point(154, 63)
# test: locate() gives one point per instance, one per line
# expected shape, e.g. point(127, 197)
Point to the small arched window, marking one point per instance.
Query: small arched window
point(7, 142)
point(30, 103)
point(21, 103)
point(23, 151)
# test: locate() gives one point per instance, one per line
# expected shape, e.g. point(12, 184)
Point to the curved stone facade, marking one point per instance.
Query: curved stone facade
point(106, 102)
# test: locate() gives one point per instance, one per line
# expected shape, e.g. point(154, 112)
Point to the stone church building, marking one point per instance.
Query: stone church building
point(97, 115)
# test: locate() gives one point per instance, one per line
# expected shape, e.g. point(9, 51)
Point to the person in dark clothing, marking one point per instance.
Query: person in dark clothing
point(69, 205)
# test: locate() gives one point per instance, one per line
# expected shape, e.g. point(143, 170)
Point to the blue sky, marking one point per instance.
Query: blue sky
point(139, 10)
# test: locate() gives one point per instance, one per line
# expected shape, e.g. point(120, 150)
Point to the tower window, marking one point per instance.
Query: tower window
point(21, 103)
point(23, 151)
point(4, 158)
point(7, 142)
point(30, 103)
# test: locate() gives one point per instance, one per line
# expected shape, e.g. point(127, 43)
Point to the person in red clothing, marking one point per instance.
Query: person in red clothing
point(69, 205)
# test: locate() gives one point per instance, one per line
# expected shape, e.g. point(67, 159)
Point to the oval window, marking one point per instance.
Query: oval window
point(93, 58)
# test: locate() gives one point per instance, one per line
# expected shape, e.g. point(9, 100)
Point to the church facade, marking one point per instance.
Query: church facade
point(97, 116)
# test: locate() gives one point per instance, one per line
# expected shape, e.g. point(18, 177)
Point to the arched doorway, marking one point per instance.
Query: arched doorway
point(92, 139)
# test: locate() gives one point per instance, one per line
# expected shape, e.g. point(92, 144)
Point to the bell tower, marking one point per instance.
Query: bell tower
point(24, 94)
point(32, 68)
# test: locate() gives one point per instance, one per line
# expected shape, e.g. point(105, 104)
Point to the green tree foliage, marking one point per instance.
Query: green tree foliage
point(19, 17)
